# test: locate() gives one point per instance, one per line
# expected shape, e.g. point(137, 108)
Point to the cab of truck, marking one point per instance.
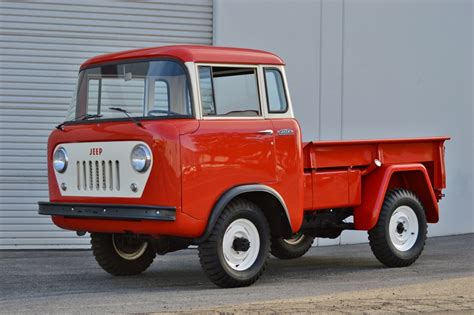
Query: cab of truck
point(160, 131)
point(172, 146)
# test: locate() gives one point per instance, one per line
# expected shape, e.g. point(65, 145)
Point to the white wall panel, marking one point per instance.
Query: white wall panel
point(408, 72)
point(373, 69)
point(291, 29)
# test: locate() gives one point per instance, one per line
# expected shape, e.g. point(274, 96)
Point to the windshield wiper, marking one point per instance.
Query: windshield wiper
point(89, 116)
point(83, 117)
point(118, 109)
point(61, 126)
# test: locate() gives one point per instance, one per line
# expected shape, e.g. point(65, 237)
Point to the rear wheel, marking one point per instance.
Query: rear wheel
point(122, 255)
point(293, 247)
point(236, 252)
point(399, 236)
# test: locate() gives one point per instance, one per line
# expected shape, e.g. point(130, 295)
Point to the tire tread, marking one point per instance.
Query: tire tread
point(377, 236)
point(286, 251)
point(110, 261)
point(208, 255)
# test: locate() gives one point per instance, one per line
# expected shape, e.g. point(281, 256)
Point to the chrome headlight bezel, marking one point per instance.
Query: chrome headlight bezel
point(140, 164)
point(60, 160)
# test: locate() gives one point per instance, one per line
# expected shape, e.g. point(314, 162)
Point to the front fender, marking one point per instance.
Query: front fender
point(375, 186)
point(234, 192)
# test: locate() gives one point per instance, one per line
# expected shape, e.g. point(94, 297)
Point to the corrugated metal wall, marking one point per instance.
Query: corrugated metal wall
point(42, 44)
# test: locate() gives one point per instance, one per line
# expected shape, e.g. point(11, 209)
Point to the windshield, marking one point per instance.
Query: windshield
point(144, 89)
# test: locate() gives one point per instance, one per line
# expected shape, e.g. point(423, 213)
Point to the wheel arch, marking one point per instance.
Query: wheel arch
point(267, 198)
point(413, 177)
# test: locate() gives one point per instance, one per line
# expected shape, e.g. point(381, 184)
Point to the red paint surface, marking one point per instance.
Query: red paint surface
point(192, 53)
point(197, 161)
point(223, 154)
point(337, 167)
point(289, 169)
point(377, 183)
point(335, 189)
point(164, 184)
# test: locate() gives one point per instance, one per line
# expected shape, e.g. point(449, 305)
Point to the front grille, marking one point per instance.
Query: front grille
point(108, 175)
point(98, 175)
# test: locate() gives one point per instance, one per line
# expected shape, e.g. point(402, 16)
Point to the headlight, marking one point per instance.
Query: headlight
point(60, 160)
point(140, 158)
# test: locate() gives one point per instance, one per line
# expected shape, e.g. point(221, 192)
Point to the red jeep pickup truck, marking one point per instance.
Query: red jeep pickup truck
point(168, 147)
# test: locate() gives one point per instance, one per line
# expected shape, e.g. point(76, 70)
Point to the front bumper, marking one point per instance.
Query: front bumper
point(107, 211)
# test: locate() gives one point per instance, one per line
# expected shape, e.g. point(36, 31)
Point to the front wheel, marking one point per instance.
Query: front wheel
point(122, 255)
point(293, 247)
point(236, 252)
point(399, 236)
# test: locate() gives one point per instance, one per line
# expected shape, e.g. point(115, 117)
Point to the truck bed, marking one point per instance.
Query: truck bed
point(334, 170)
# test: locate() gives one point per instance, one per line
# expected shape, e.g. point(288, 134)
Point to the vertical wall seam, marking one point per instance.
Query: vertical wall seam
point(320, 67)
point(320, 76)
point(214, 22)
point(342, 68)
point(342, 77)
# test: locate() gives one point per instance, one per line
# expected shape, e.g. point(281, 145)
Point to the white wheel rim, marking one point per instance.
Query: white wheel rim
point(132, 255)
point(241, 229)
point(403, 228)
point(295, 239)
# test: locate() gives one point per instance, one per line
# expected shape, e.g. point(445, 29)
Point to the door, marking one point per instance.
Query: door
point(234, 144)
point(288, 150)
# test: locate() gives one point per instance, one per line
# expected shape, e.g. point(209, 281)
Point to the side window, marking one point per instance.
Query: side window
point(207, 94)
point(276, 96)
point(229, 91)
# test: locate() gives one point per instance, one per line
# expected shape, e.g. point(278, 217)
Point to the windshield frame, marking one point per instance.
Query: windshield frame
point(81, 77)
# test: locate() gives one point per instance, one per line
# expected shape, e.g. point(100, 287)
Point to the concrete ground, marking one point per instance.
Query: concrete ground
point(337, 279)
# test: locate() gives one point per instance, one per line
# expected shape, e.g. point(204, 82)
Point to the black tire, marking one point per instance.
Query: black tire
point(380, 240)
point(211, 252)
point(291, 248)
point(107, 255)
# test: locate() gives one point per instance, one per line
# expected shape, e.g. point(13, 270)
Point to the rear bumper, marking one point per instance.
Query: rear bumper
point(107, 211)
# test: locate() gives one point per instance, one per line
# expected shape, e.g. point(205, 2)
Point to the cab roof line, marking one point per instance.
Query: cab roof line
point(191, 53)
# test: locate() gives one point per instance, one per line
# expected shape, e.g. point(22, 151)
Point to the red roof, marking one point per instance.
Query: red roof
point(210, 54)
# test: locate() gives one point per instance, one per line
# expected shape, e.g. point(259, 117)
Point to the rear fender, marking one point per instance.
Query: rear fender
point(375, 185)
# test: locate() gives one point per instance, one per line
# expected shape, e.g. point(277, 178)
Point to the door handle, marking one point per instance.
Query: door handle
point(265, 132)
